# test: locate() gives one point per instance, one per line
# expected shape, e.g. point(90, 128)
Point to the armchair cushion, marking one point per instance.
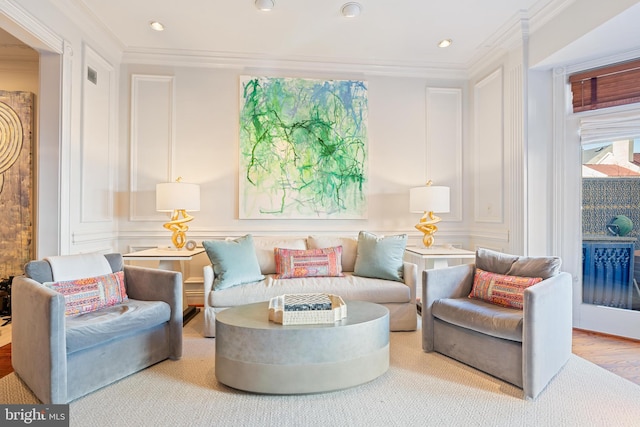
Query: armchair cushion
point(544, 267)
point(501, 289)
point(90, 329)
point(91, 293)
point(495, 262)
point(480, 316)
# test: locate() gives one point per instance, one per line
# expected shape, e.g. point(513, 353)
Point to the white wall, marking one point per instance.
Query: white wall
point(185, 123)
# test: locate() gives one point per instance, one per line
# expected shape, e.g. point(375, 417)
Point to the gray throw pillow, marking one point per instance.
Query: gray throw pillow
point(380, 257)
point(494, 262)
point(544, 266)
point(234, 262)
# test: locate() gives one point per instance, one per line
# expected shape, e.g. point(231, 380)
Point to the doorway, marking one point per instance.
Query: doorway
point(611, 223)
point(52, 134)
point(607, 299)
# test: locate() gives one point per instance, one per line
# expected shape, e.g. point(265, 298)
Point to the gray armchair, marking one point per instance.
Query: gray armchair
point(526, 348)
point(63, 357)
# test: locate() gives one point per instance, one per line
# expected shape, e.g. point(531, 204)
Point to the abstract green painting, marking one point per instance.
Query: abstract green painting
point(303, 148)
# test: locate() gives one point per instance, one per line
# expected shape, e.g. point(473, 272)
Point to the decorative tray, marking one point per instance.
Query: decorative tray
point(307, 309)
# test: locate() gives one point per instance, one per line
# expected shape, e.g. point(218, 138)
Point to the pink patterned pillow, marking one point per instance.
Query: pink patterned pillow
point(501, 289)
point(324, 262)
point(92, 293)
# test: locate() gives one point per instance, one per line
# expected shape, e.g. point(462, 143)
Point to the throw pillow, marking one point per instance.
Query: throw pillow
point(501, 289)
point(380, 257)
point(349, 248)
point(325, 262)
point(265, 246)
point(234, 262)
point(92, 293)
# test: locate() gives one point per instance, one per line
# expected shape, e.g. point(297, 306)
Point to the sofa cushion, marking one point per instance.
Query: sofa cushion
point(234, 261)
point(501, 289)
point(544, 266)
point(326, 262)
point(265, 250)
point(349, 248)
point(495, 262)
point(380, 257)
point(349, 287)
point(91, 293)
point(480, 316)
point(91, 329)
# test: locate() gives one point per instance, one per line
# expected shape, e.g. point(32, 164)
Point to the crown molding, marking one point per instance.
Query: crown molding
point(208, 59)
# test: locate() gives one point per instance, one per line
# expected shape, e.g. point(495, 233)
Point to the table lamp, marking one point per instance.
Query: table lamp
point(429, 199)
point(178, 198)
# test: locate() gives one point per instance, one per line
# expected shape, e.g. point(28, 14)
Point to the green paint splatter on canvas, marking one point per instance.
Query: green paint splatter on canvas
point(303, 148)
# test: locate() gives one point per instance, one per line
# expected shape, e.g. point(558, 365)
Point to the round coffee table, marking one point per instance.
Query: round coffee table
point(259, 356)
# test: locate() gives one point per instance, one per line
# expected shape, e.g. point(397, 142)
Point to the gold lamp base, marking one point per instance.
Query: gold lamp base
point(427, 225)
point(178, 227)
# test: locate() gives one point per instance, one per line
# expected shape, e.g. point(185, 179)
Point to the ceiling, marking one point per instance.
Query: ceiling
point(401, 33)
point(386, 33)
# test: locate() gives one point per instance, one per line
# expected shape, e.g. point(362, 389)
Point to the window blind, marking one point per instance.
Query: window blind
point(609, 86)
point(610, 127)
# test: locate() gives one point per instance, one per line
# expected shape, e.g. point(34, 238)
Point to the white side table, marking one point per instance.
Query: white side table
point(171, 260)
point(435, 257)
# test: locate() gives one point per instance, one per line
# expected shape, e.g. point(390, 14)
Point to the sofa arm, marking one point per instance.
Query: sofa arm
point(150, 284)
point(410, 277)
point(451, 282)
point(547, 331)
point(39, 353)
point(208, 275)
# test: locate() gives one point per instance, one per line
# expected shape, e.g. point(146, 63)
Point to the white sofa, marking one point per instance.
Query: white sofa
point(398, 296)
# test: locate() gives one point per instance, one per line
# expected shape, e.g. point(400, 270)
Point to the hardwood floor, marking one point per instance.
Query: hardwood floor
point(618, 355)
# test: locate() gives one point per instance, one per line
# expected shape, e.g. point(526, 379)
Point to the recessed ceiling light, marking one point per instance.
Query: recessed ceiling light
point(445, 43)
point(156, 25)
point(351, 9)
point(265, 5)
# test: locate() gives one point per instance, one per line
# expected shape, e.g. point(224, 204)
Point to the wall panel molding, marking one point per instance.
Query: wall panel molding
point(488, 105)
point(99, 130)
point(444, 144)
point(516, 167)
point(152, 142)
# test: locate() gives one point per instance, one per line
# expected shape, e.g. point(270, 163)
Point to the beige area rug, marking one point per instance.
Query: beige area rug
point(418, 389)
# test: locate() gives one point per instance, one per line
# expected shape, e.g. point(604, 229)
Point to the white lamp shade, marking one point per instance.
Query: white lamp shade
point(429, 199)
point(177, 195)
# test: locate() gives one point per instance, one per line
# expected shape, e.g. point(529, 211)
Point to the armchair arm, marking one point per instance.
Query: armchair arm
point(451, 282)
point(39, 353)
point(410, 277)
point(149, 284)
point(547, 331)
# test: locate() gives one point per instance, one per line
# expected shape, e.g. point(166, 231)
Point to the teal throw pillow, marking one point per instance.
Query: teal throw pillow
point(234, 262)
point(380, 257)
